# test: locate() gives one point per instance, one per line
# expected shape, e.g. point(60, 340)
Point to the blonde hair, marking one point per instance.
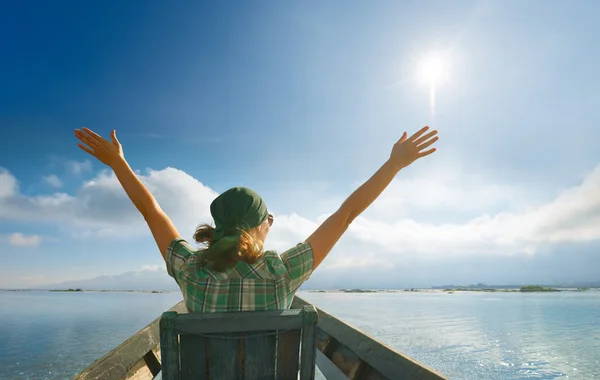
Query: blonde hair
point(247, 248)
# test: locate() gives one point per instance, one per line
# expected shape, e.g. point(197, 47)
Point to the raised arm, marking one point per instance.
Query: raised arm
point(111, 154)
point(404, 152)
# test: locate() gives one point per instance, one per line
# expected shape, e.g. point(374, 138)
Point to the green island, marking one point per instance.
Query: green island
point(536, 288)
point(358, 291)
point(480, 290)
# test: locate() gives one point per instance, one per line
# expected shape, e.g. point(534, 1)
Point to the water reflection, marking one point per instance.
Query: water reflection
point(475, 336)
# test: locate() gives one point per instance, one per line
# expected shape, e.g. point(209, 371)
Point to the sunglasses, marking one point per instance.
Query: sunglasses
point(270, 219)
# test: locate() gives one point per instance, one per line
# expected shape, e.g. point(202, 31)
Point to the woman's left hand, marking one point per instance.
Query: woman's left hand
point(107, 152)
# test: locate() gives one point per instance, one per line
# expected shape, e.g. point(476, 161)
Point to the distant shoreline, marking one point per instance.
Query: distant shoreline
point(90, 291)
point(523, 289)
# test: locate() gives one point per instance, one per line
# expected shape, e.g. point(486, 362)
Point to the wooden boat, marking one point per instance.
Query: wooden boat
point(343, 353)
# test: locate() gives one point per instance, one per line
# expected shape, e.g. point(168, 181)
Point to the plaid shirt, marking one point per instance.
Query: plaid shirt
point(268, 284)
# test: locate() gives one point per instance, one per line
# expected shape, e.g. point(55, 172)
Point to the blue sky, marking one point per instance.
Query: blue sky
point(302, 102)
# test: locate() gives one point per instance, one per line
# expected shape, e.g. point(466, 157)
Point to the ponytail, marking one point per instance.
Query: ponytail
point(237, 245)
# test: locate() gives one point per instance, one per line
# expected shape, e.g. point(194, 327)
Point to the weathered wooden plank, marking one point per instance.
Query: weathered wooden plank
point(169, 346)
point(193, 357)
point(388, 361)
point(370, 373)
point(323, 340)
point(241, 314)
point(344, 358)
point(259, 355)
point(139, 372)
point(328, 369)
point(224, 356)
point(232, 322)
point(308, 349)
point(152, 363)
point(116, 363)
point(288, 354)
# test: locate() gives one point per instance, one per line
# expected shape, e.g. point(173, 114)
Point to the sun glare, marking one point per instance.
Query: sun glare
point(431, 69)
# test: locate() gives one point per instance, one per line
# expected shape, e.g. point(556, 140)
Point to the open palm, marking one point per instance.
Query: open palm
point(107, 152)
point(408, 150)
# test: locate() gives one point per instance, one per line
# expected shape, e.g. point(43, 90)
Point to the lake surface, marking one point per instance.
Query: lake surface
point(480, 336)
point(500, 336)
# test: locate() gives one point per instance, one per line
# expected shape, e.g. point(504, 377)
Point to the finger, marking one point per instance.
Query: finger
point(90, 151)
point(426, 153)
point(403, 138)
point(87, 139)
point(418, 134)
point(93, 134)
point(113, 136)
point(426, 137)
point(427, 143)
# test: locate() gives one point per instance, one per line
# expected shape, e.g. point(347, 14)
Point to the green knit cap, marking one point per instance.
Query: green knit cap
point(234, 210)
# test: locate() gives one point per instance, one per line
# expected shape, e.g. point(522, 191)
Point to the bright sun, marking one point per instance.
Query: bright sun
point(431, 69)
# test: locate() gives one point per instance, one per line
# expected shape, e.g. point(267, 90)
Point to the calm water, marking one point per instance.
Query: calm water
point(45, 335)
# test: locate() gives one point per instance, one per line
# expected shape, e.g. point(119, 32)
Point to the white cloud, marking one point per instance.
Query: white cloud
point(53, 181)
point(8, 184)
point(450, 191)
point(19, 240)
point(152, 268)
point(101, 208)
point(78, 167)
point(573, 216)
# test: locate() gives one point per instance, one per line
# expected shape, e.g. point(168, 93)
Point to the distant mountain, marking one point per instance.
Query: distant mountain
point(147, 280)
point(156, 278)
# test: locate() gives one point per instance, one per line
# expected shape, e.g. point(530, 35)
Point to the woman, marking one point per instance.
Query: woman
point(233, 272)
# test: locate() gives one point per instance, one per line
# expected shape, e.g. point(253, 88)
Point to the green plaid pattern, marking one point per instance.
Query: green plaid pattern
point(268, 284)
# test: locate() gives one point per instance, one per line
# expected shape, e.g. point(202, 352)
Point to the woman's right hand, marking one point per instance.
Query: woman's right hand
point(406, 151)
point(107, 152)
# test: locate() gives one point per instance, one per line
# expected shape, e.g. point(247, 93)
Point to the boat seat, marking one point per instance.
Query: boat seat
point(257, 345)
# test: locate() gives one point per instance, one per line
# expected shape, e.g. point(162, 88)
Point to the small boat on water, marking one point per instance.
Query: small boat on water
point(342, 353)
